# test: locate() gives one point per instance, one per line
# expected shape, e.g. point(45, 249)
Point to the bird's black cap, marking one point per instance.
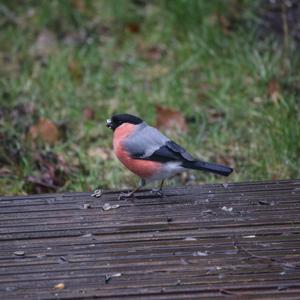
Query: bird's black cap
point(117, 120)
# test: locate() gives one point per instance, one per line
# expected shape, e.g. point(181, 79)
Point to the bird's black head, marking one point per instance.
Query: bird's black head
point(117, 120)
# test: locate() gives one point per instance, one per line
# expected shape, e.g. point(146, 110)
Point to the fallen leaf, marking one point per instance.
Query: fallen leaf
point(40, 184)
point(273, 90)
point(44, 130)
point(132, 27)
point(59, 286)
point(168, 118)
point(53, 173)
point(224, 24)
point(89, 113)
point(79, 5)
point(214, 116)
point(75, 70)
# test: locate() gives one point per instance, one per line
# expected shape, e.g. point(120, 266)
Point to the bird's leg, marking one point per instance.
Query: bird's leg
point(131, 194)
point(159, 191)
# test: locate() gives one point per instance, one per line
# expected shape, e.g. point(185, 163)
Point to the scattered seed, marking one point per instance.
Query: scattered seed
point(200, 253)
point(62, 259)
point(282, 287)
point(59, 286)
point(249, 236)
point(87, 235)
point(189, 238)
point(115, 206)
point(110, 276)
point(86, 205)
point(263, 202)
point(107, 206)
point(227, 209)
point(97, 193)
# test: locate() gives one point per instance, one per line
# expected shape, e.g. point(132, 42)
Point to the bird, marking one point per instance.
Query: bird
point(151, 155)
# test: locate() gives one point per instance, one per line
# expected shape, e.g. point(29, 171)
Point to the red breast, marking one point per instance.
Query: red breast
point(143, 168)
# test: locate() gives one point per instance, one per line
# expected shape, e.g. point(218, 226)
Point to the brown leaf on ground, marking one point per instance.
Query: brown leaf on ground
point(133, 27)
point(79, 5)
point(75, 70)
point(170, 119)
point(215, 115)
point(224, 24)
point(44, 130)
point(53, 173)
point(39, 184)
point(273, 90)
point(89, 113)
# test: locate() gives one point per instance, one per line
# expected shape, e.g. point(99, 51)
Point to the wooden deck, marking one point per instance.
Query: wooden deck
point(200, 242)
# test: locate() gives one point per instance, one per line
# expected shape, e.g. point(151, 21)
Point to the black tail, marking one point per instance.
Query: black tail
point(209, 167)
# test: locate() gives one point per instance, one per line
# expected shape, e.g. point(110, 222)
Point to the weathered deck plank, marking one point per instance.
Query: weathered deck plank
point(238, 240)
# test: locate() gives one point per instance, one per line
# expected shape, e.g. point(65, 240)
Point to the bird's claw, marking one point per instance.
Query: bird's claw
point(157, 192)
point(123, 196)
point(97, 193)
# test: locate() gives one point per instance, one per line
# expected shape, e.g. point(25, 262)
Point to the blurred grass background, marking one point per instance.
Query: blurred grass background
point(69, 65)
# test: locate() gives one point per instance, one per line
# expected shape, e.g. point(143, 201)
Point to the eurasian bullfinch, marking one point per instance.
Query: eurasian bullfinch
point(151, 155)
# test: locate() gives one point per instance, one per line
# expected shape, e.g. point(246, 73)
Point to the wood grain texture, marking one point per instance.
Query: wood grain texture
point(240, 240)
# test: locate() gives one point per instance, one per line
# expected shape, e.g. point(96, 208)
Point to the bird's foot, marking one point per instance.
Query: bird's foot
point(157, 192)
point(123, 196)
point(97, 193)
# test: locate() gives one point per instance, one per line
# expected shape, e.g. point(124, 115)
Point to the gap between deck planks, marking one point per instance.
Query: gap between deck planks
point(240, 240)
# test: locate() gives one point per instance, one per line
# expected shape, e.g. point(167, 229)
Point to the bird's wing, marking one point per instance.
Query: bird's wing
point(150, 144)
point(170, 151)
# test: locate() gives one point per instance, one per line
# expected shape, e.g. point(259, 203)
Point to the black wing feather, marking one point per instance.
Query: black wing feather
point(178, 149)
point(168, 152)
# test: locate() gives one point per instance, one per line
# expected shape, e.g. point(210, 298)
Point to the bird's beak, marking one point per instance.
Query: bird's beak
point(108, 123)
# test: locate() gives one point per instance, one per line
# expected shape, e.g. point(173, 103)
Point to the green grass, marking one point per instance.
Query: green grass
point(217, 79)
